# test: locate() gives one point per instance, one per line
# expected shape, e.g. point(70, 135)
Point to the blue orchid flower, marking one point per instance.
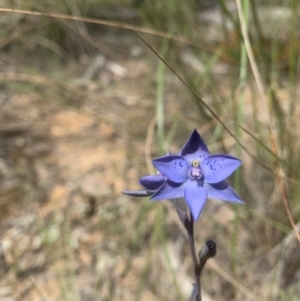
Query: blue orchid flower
point(193, 174)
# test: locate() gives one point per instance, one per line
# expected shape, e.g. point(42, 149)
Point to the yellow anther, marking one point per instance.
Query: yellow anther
point(195, 163)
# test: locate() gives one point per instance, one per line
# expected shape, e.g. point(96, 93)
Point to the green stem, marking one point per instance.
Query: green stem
point(238, 131)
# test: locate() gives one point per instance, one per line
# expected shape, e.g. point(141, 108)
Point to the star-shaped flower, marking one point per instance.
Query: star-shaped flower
point(195, 175)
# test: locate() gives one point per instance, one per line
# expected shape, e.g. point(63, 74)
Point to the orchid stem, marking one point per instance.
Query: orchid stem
point(197, 270)
point(209, 250)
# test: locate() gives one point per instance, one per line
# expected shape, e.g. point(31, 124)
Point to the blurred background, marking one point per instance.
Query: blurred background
point(85, 107)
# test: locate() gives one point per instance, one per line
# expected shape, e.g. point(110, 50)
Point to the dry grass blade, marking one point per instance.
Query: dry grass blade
point(111, 24)
point(290, 180)
point(16, 34)
point(157, 33)
point(262, 93)
point(285, 200)
point(148, 143)
point(216, 267)
point(84, 34)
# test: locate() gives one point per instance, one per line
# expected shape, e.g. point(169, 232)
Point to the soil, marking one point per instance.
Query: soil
point(70, 145)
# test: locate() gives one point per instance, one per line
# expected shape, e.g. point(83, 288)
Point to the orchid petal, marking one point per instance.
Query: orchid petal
point(152, 182)
point(138, 193)
point(217, 168)
point(169, 190)
point(175, 168)
point(195, 195)
point(223, 192)
point(194, 148)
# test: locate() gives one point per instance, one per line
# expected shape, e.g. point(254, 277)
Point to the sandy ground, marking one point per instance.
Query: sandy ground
point(67, 232)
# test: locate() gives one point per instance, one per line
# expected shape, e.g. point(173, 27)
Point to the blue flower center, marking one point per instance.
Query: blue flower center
point(195, 173)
